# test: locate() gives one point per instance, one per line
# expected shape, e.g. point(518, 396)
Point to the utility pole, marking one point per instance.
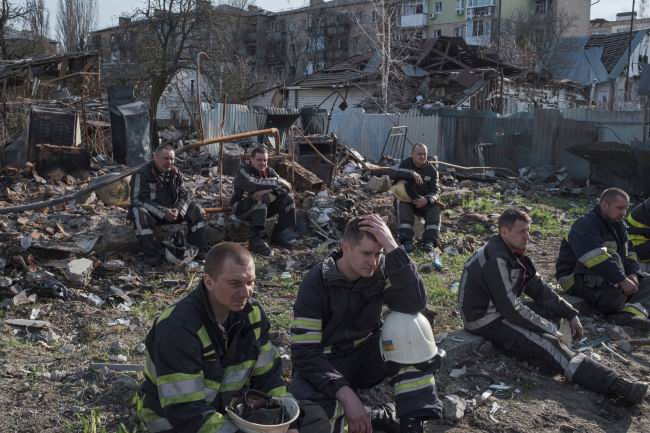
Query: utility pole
point(499, 68)
point(628, 97)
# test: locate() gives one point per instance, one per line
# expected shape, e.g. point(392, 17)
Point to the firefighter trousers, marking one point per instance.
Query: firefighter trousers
point(257, 211)
point(406, 213)
point(145, 222)
point(546, 352)
point(363, 368)
point(607, 298)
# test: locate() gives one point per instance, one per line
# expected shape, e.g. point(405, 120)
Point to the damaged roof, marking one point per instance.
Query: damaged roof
point(46, 66)
point(599, 57)
point(355, 68)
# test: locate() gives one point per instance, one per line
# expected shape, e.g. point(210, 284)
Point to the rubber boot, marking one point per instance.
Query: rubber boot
point(384, 418)
point(411, 425)
point(259, 246)
point(152, 250)
point(633, 392)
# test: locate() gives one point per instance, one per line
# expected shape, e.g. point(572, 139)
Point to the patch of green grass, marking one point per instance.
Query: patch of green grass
point(9, 342)
point(93, 423)
point(149, 307)
point(484, 204)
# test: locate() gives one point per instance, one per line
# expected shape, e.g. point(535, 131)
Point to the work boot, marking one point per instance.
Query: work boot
point(258, 246)
point(411, 425)
point(428, 245)
point(633, 392)
point(627, 319)
point(384, 418)
point(407, 244)
point(284, 238)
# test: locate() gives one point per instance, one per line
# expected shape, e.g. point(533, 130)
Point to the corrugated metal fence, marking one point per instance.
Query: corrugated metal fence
point(468, 138)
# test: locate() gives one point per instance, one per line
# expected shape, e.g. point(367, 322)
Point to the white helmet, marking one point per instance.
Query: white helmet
point(291, 409)
point(407, 339)
point(399, 190)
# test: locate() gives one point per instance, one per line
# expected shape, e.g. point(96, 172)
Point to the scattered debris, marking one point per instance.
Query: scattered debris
point(453, 407)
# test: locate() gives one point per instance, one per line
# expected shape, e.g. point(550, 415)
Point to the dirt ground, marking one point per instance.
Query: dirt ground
point(47, 383)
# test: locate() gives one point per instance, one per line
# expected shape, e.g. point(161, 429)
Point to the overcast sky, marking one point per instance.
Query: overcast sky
point(109, 10)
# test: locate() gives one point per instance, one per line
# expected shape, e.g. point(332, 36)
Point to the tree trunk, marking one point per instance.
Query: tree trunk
point(157, 89)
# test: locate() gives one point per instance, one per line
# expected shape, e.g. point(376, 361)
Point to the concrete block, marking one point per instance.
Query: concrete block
point(460, 344)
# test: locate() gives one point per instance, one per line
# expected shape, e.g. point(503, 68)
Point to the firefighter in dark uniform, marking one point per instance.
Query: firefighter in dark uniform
point(416, 190)
point(336, 330)
point(596, 262)
point(638, 230)
point(259, 194)
point(211, 346)
point(159, 197)
point(493, 282)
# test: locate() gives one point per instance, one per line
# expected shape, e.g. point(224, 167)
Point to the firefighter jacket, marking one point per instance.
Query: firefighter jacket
point(597, 247)
point(405, 171)
point(638, 222)
point(195, 365)
point(249, 179)
point(493, 281)
point(156, 191)
point(332, 315)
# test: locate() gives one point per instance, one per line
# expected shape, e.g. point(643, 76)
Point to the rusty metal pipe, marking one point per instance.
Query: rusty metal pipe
point(79, 194)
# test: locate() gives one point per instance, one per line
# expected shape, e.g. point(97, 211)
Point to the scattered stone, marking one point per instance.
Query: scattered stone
point(116, 367)
point(57, 375)
point(616, 333)
point(117, 347)
point(5, 282)
point(124, 381)
point(379, 184)
point(79, 272)
point(466, 184)
point(113, 266)
point(67, 348)
point(141, 349)
point(50, 337)
point(37, 324)
point(458, 372)
point(453, 407)
point(118, 358)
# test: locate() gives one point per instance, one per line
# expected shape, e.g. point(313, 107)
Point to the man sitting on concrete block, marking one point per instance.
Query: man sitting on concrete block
point(638, 230)
point(416, 190)
point(493, 282)
point(259, 194)
point(596, 262)
point(159, 197)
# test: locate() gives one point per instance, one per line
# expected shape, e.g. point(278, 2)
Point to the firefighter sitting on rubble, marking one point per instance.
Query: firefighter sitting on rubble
point(638, 230)
point(159, 197)
point(596, 262)
point(494, 280)
point(416, 190)
point(337, 326)
point(259, 194)
point(213, 347)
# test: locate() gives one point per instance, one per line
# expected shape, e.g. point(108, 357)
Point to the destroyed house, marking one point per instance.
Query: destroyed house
point(441, 72)
point(599, 64)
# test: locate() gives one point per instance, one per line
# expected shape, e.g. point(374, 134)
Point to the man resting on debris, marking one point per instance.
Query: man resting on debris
point(335, 335)
point(159, 197)
point(259, 194)
point(596, 262)
point(210, 347)
point(416, 190)
point(638, 230)
point(489, 298)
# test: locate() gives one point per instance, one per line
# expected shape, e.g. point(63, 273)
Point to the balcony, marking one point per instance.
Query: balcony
point(416, 20)
point(480, 3)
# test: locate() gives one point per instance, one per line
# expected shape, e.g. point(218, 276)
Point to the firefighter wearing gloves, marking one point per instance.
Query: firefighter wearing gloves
point(159, 197)
point(596, 262)
point(416, 191)
point(336, 331)
point(493, 282)
point(211, 346)
point(259, 194)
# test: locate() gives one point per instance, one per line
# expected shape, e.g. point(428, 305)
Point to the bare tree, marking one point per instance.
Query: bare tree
point(10, 13)
point(169, 42)
point(38, 23)
point(74, 20)
point(387, 41)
